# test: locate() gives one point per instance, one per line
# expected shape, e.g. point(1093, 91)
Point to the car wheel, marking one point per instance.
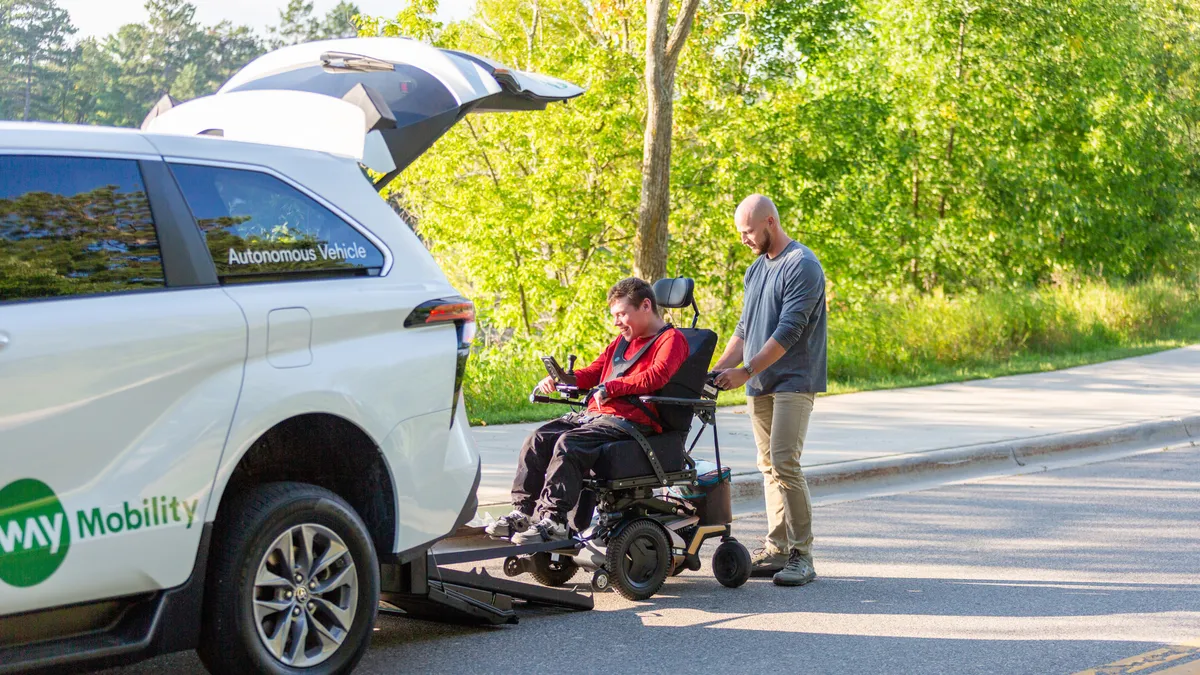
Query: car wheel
point(293, 585)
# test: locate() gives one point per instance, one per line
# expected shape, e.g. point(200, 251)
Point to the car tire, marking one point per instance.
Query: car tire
point(318, 620)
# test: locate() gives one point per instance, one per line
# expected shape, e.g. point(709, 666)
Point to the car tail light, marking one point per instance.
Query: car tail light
point(459, 311)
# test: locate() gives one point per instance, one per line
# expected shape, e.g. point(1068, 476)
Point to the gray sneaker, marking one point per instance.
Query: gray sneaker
point(764, 563)
point(546, 529)
point(797, 572)
point(506, 526)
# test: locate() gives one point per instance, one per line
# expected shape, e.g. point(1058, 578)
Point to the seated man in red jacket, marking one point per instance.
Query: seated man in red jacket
point(557, 456)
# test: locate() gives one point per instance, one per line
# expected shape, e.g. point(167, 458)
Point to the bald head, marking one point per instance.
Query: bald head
point(754, 210)
point(757, 223)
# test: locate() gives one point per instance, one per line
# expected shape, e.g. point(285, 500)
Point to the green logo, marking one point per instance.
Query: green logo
point(34, 533)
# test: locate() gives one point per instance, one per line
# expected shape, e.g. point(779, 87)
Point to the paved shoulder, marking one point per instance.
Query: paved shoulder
point(884, 423)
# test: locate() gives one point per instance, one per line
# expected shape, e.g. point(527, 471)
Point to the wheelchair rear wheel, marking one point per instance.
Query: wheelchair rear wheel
point(548, 572)
point(639, 559)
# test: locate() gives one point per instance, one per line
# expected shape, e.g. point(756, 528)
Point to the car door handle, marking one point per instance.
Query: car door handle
point(4, 339)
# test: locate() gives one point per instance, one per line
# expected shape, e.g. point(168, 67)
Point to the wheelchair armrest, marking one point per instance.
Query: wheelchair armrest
point(568, 392)
point(703, 403)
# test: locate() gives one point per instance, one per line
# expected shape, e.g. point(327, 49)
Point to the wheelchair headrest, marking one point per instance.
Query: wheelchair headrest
point(674, 293)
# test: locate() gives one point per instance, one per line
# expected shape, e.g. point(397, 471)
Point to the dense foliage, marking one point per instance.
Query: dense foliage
point(917, 145)
point(924, 149)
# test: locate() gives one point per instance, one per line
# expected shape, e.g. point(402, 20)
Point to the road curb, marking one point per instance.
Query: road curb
point(998, 458)
point(948, 465)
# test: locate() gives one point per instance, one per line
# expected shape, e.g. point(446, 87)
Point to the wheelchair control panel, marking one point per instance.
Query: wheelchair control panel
point(555, 370)
point(564, 383)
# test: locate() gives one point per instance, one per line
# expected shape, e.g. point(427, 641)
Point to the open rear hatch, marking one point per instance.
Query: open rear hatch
point(383, 101)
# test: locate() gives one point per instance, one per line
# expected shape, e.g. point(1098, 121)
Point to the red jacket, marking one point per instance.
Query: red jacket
point(650, 374)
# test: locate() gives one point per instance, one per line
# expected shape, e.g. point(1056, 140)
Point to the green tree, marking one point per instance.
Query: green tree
point(119, 78)
point(296, 25)
point(339, 22)
point(34, 40)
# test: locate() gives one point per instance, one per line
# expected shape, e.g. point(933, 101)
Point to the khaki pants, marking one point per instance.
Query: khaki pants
point(780, 423)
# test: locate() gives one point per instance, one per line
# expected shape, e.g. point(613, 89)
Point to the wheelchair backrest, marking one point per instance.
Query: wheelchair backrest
point(688, 382)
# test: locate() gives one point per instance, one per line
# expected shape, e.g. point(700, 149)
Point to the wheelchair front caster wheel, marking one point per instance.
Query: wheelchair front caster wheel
point(731, 564)
point(600, 581)
point(513, 566)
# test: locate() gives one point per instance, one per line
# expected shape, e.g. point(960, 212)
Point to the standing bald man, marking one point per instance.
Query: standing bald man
point(780, 345)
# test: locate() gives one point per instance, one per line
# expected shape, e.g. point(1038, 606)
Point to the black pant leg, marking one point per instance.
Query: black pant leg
point(575, 452)
point(580, 517)
point(535, 456)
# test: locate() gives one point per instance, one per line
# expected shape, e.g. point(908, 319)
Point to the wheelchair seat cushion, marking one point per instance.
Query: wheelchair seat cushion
point(626, 459)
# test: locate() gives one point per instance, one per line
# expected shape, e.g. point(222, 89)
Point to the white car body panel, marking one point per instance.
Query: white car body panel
point(41, 138)
point(366, 368)
point(127, 399)
point(292, 97)
point(467, 81)
point(316, 122)
point(181, 357)
point(109, 401)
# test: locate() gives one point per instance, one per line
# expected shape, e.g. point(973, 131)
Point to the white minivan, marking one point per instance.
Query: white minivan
point(229, 373)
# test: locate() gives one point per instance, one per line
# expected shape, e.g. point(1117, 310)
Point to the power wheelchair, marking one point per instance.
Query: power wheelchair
point(645, 531)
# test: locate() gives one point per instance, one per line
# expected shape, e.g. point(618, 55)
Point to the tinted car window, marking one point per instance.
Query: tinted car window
point(75, 226)
point(411, 93)
point(258, 226)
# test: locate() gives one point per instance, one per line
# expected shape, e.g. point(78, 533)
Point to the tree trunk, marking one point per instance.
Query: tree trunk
point(531, 33)
point(662, 55)
point(28, 86)
point(651, 244)
point(916, 182)
point(962, 38)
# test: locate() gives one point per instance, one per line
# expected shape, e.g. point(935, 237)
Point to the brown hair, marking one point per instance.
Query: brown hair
point(635, 291)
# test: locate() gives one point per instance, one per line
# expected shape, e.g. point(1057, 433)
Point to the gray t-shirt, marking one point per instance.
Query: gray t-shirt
point(785, 300)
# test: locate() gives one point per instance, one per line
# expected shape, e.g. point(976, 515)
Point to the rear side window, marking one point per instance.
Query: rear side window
point(259, 228)
point(75, 226)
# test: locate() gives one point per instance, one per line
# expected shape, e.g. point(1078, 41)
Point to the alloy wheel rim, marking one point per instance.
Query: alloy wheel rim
point(305, 595)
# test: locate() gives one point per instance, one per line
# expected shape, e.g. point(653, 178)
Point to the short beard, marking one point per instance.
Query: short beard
point(766, 244)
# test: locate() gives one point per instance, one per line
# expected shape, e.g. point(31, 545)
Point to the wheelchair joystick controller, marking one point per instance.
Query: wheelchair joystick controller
point(571, 364)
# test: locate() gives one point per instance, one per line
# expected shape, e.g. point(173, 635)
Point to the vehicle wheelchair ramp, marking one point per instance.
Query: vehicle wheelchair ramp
point(428, 589)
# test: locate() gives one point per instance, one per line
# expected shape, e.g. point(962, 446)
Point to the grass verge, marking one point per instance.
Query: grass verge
point(920, 340)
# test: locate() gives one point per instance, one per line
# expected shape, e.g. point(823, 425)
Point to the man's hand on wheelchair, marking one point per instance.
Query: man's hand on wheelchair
point(546, 386)
point(731, 378)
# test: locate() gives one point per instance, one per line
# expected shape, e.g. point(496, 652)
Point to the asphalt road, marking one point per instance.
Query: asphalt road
point(1057, 572)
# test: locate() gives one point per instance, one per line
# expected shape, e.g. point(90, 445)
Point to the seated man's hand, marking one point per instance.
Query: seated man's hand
point(546, 386)
point(732, 378)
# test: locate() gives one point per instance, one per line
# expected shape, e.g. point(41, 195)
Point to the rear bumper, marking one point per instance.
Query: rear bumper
point(469, 509)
